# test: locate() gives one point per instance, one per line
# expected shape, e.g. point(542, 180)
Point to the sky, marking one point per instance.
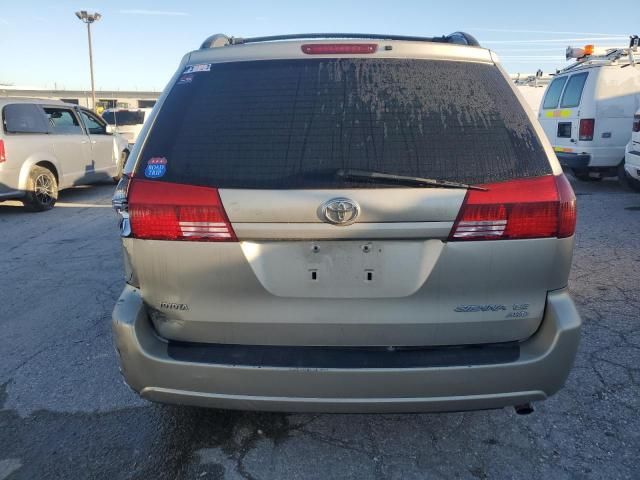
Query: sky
point(138, 44)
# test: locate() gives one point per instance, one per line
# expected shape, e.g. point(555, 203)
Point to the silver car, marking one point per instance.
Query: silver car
point(48, 145)
point(345, 223)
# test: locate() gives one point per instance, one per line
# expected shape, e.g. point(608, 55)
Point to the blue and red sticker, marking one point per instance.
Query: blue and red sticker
point(156, 167)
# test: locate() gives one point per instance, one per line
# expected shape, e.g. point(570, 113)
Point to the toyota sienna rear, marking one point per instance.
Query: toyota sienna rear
point(345, 223)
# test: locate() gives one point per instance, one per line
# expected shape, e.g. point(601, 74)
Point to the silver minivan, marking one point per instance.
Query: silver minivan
point(345, 223)
point(48, 145)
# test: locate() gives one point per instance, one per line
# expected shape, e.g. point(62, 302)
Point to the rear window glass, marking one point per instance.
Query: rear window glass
point(554, 90)
point(293, 123)
point(573, 92)
point(24, 118)
point(124, 117)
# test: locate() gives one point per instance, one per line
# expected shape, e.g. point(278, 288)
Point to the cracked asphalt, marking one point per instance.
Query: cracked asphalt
point(65, 413)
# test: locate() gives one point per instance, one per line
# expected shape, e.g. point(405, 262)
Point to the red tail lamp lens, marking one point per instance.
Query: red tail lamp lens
point(166, 211)
point(587, 127)
point(539, 207)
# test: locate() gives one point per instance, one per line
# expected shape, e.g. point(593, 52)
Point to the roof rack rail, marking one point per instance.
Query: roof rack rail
point(611, 57)
point(221, 40)
point(589, 55)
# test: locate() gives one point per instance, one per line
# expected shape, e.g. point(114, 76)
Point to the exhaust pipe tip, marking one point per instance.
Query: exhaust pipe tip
point(524, 409)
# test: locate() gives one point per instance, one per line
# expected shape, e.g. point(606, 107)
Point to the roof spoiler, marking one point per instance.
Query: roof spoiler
point(221, 40)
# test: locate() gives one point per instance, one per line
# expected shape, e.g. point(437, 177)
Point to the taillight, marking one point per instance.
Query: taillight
point(567, 214)
point(587, 126)
point(3, 153)
point(636, 123)
point(167, 211)
point(539, 207)
point(339, 48)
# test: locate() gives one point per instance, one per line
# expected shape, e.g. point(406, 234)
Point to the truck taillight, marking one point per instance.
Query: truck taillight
point(539, 207)
point(3, 153)
point(587, 127)
point(168, 211)
point(636, 123)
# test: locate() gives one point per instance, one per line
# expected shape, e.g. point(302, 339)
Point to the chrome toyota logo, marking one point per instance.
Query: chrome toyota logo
point(340, 211)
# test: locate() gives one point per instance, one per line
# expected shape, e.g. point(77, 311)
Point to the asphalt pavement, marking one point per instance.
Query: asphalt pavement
point(65, 413)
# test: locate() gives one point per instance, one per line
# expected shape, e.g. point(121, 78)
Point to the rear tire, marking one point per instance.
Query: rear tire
point(42, 190)
point(583, 175)
point(121, 163)
point(627, 180)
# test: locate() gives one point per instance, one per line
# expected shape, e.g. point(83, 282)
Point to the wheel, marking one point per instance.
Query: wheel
point(583, 175)
point(42, 190)
point(121, 163)
point(627, 180)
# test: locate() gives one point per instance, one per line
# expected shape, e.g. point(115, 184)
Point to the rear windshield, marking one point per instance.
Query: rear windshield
point(124, 117)
point(278, 124)
point(554, 90)
point(573, 92)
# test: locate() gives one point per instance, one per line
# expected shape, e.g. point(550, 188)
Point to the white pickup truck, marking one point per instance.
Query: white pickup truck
point(127, 122)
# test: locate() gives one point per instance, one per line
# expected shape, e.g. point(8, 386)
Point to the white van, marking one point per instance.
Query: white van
point(587, 111)
point(127, 122)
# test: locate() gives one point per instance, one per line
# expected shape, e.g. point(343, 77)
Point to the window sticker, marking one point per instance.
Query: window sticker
point(201, 67)
point(156, 167)
point(188, 78)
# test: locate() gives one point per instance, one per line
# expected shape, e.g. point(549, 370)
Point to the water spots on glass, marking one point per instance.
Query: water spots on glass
point(293, 123)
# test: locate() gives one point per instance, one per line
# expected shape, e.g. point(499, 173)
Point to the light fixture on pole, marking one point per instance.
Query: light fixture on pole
point(89, 18)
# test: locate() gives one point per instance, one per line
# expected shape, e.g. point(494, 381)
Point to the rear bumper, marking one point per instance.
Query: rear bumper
point(590, 154)
point(573, 160)
point(539, 371)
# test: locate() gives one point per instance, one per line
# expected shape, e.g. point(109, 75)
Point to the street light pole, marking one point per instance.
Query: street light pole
point(93, 87)
point(89, 18)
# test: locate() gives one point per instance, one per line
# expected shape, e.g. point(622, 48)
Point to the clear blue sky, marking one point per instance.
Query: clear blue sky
point(138, 44)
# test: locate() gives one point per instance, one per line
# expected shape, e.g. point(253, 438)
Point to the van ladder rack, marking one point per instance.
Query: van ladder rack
point(220, 40)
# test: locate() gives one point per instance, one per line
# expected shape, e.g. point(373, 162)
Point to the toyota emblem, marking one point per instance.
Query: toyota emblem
point(340, 211)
